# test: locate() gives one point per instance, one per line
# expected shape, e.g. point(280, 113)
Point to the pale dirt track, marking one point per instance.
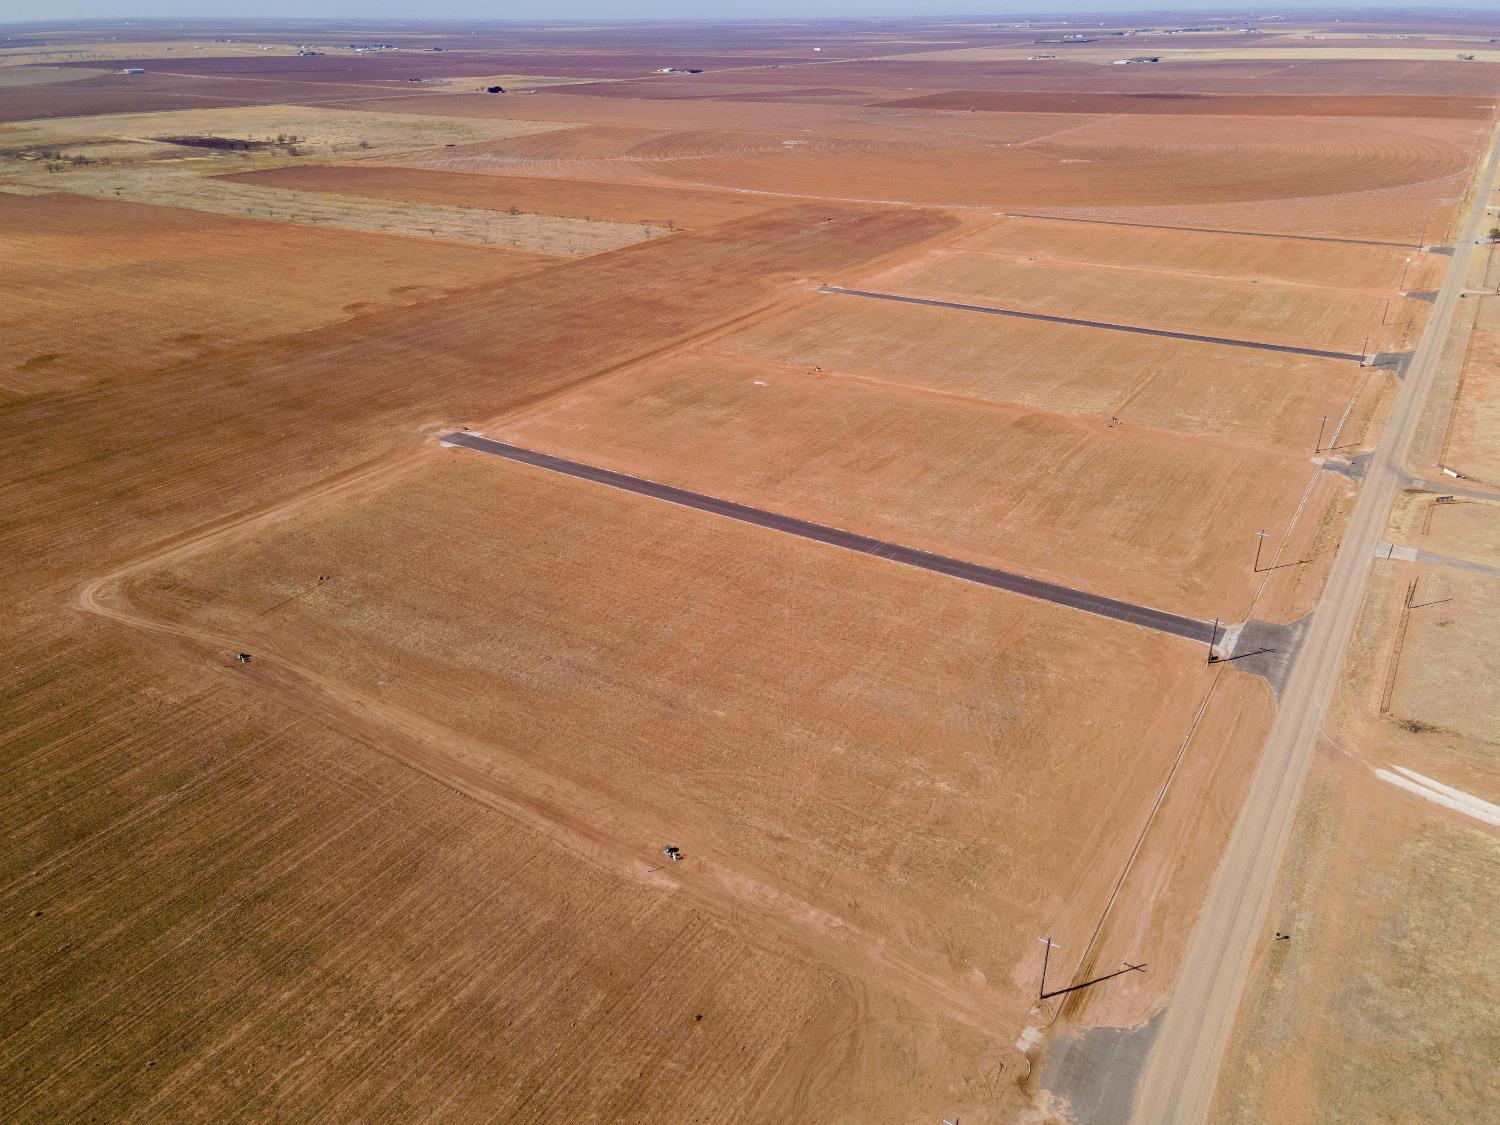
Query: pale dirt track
point(1182, 1071)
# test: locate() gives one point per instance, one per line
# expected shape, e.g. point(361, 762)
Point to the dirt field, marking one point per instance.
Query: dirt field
point(406, 861)
point(1330, 264)
point(246, 898)
point(1003, 486)
point(165, 287)
point(1239, 308)
point(302, 407)
point(793, 764)
point(1249, 397)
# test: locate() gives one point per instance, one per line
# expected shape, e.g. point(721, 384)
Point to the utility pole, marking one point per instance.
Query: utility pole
point(1213, 639)
point(1322, 421)
point(1364, 350)
point(1403, 272)
point(1260, 538)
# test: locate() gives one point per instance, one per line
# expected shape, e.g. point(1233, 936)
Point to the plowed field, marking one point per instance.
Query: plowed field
point(1015, 488)
point(1234, 308)
point(164, 286)
point(1249, 397)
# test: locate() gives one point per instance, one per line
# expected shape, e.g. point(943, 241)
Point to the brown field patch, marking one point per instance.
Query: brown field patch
point(161, 286)
point(1167, 520)
point(624, 203)
point(1259, 398)
point(1266, 311)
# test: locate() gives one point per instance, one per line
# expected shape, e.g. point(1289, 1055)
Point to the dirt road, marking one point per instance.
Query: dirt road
point(1180, 1076)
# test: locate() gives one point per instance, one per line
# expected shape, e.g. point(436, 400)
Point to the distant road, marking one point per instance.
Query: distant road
point(1144, 616)
point(1182, 1070)
point(1223, 341)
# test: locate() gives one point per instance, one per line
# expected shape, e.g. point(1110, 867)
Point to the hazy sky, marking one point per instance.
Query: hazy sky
point(19, 10)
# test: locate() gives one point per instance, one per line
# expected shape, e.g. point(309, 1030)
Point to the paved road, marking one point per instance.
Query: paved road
point(1178, 1085)
point(1223, 341)
point(1448, 489)
point(1411, 554)
point(1144, 616)
point(1219, 230)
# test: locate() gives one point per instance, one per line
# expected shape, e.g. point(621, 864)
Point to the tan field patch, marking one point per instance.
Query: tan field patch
point(1247, 396)
point(662, 208)
point(1266, 311)
point(183, 184)
point(1462, 527)
point(1331, 264)
point(319, 131)
point(1167, 521)
point(141, 169)
point(1379, 1003)
point(162, 286)
point(511, 82)
point(1448, 672)
point(1473, 443)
